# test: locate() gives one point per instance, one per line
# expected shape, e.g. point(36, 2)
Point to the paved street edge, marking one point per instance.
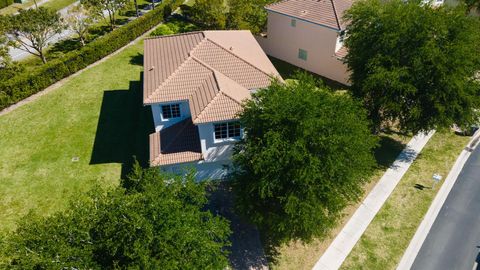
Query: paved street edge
point(421, 234)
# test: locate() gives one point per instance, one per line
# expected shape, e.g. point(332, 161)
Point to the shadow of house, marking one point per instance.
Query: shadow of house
point(123, 128)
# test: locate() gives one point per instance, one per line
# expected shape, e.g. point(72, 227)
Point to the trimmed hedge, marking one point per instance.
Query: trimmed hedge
point(5, 3)
point(24, 85)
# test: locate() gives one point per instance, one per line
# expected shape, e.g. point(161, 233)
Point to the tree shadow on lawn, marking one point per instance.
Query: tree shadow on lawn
point(387, 151)
point(123, 128)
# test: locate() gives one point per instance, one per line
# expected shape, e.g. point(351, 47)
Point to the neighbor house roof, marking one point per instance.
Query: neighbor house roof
point(212, 70)
point(324, 12)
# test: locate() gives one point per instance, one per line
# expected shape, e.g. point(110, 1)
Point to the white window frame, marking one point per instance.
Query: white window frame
point(171, 111)
point(228, 138)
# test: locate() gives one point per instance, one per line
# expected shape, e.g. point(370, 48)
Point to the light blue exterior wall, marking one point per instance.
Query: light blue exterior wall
point(212, 149)
point(204, 170)
point(161, 123)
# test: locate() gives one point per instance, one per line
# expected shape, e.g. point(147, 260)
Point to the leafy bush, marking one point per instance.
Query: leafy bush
point(5, 3)
point(174, 27)
point(24, 85)
point(158, 224)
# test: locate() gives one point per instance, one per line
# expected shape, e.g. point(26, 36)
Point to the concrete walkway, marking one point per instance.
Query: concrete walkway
point(341, 246)
point(432, 213)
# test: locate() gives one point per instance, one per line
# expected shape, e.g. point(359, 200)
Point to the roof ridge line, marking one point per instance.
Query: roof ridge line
point(336, 15)
point(169, 78)
point(206, 107)
point(178, 34)
point(237, 56)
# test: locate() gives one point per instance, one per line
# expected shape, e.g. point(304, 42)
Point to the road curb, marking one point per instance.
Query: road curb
point(421, 234)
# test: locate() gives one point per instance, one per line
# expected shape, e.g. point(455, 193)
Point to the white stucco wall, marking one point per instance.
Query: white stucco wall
point(283, 41)
point(214, 150)
point(204, 170)
point(161, 123)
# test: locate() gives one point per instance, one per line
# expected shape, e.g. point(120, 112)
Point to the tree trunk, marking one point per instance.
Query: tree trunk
point(136, 8)
point(42, 56)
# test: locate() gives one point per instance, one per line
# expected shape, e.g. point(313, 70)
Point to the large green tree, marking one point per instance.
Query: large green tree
point(209, 13)
point(247, 14)
point(414, 65)
point(32, 29)
point(157, 223)
point(306, 154)
point(106, 8)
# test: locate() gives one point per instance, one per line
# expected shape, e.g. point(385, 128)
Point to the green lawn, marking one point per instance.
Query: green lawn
point(387, 237)
point(96, 116)
point(58, 4)
point(53, 4)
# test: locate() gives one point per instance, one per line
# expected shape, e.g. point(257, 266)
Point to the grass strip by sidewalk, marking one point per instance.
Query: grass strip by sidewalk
point(386, 238)
point(298, 255)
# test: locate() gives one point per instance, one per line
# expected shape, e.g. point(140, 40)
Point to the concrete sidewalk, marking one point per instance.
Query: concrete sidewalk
point(432, 213)
point(341, 246)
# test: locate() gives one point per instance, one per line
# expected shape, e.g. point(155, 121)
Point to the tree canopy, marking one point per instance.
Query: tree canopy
point(209, 13)
point(4, 55)
point(414, 65)
point(32, 29)
point(247, 14)
point(158, 223)
point(306, 154)
point(105, 8)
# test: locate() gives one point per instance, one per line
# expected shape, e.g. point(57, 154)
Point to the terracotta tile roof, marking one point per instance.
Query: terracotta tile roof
point(197, 66)
point(213, 71)
point(342, 52)
point(325, 12)
point(176, 144)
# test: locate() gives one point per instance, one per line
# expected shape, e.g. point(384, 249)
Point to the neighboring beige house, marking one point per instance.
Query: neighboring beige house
point(308, 34)
point(195, 84)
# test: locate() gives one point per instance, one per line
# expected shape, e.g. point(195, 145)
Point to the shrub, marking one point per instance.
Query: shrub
point(5, 3)
point(174, 27)
point(23, 85)
point(162, 225)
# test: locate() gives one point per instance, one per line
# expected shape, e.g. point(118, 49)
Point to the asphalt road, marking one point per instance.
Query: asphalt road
point(453, 242)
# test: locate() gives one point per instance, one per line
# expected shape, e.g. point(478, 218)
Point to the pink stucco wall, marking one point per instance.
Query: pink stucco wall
point(283, 41)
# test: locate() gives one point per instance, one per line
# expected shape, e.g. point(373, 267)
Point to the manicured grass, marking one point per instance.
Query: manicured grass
point(97, 116)
point(52, 4)
point(387, 237)
point(58, 4)
point(298, 255)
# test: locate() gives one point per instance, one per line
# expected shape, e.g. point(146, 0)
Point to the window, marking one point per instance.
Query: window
point(302, 54)
point(227, 130)
point(171, 111)
point(293, 23)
